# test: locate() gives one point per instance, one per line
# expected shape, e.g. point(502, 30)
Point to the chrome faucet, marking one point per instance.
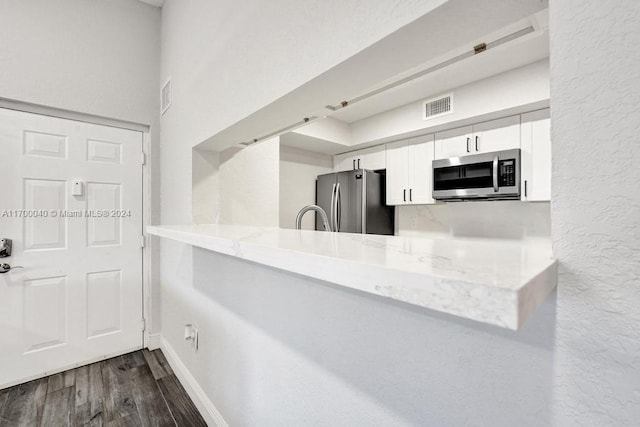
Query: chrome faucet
point(323, 215)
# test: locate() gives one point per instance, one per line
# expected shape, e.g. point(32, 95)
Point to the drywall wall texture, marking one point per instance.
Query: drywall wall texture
point(248, 180)
point(93, 57)
point(595, 129)
point(504, 220)
point(521, 86)
point(206, 186)
point(298, 172)
point(277, 348)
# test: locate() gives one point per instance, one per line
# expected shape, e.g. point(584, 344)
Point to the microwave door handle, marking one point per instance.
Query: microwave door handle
point(495, 174)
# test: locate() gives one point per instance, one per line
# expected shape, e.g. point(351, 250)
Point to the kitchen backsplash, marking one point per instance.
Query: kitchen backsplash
point(496, 219)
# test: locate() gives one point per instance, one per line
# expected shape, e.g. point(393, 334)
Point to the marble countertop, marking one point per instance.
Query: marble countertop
point(495, 281)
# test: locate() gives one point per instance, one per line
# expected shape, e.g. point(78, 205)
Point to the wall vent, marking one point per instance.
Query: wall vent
point(437, 107)
point(165, 97)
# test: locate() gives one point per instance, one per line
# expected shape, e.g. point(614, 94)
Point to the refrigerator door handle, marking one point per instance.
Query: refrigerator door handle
point(332, 213)
point(338, 207)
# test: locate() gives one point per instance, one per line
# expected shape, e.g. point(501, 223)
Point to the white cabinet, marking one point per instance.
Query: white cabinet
point(409, 171)
point(370, 158)
point(494, 135)
point(397, 172)
point(453, 143)
point(536, 156)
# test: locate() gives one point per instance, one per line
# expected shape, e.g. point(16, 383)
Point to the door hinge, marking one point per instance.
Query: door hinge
point(142, 241)
point(143, 324)
point(143, 158)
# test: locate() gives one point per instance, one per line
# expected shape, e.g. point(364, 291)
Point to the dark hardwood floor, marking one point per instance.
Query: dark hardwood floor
point(136, 389)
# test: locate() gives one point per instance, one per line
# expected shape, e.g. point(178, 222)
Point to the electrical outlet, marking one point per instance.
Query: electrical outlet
point(191, 335)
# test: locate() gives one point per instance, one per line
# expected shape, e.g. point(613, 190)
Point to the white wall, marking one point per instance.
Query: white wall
point(595, 129)
point(298, 172)
point(93, 57)
point(205, 186)
point(277, 349)
point(249, 189)
point(496, 219)
point(522, 86)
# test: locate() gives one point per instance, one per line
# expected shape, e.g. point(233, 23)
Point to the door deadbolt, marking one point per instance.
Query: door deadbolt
point(5, 248)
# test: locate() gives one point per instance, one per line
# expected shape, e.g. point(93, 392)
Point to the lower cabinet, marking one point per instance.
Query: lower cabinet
point(535, 149)
point(409, 171)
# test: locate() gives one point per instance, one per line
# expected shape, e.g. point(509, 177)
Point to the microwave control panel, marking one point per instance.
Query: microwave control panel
point(507, 173)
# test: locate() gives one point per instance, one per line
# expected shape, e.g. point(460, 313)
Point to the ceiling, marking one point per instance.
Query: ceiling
point(437, 36)
point(517, 53)
point(157, 3)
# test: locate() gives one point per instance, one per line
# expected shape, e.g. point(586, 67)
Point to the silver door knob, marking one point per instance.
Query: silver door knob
point(5, 268)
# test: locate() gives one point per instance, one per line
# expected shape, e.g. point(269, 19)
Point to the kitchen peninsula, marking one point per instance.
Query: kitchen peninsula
point(495, 281)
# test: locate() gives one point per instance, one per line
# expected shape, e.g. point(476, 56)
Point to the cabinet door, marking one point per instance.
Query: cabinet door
point(536, 156)
point(397, 173)
point(373, 158)
point(421, 152)
point(496, 135)
point(344, 162)
point(453, 143)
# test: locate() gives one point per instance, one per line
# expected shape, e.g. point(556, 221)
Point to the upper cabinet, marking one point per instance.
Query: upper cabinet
point(409, 177)
point(494, 135)
point(536, 156)
point(369, 158)
point(408, 163)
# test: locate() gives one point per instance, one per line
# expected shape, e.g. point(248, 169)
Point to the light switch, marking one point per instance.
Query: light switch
point(77, 188)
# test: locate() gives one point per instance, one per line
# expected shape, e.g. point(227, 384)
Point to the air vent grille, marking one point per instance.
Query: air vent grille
point(165, 97)
point(438, 106)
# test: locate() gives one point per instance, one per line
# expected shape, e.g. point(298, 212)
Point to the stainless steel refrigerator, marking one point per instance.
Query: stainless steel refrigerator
point(354, 202)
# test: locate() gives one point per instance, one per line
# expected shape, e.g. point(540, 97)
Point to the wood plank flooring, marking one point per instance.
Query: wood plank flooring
point(136, 389)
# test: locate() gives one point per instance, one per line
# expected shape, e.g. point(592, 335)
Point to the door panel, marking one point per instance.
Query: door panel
point(496, 135)
point(397, 175)
point(79, 296)
point(420, 169)
point(44, 232)
point(453, 143)
point(536, 156)
point(372, 158)
point(344, 162)
point(104, 306)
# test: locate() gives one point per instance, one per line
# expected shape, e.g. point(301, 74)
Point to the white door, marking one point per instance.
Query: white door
point(536, 156)
point(496, 135)
point(420, 169)
point(397, 175)
point(79, 296)
point(453, 143)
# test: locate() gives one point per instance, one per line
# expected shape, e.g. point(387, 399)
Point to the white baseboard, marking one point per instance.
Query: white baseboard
point(209, 412)
point(152, 341)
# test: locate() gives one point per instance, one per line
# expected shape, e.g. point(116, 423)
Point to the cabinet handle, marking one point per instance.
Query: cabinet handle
point(477, 143)
point(354, 164)
point(468, 144)
point(525, 188)
point(410, 196)
point(404, 195)
point(358, 163)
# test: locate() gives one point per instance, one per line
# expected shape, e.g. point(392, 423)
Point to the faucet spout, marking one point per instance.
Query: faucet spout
point(323, 215)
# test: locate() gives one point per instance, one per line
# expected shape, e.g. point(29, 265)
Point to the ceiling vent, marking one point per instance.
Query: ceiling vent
point(165, 97)
point(437, 107)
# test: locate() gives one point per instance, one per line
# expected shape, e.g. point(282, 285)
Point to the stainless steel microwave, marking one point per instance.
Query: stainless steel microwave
point(487, 176)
